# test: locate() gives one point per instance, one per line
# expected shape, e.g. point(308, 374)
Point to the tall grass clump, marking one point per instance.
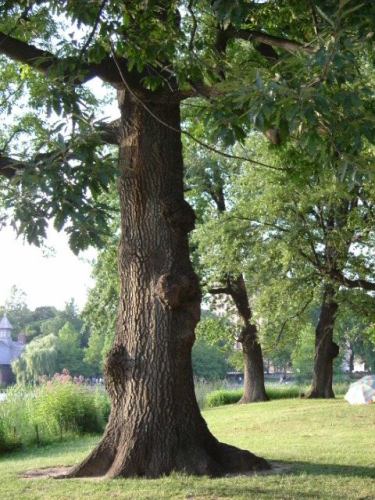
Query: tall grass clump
point(204, 387)
point(6, 444)
point(50, 412)
point(68, 408)
point(102, 403)
point(16, 417)
point(284, 391)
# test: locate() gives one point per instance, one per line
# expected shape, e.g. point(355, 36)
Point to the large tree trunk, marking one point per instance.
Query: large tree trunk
point(326, 350)
point(254, 389)
point(155, 426)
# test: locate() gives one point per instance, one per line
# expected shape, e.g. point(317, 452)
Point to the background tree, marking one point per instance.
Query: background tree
point(100, 311)
point(40, 358)
point(17, 311)
point(311, 237)
point(48, 354)
point(208, 361)
point(354, 328)
point(208, 180)
point(70, 353)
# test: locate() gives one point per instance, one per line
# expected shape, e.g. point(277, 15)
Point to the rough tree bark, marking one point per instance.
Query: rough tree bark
point(254, 389)
point(326, 350)
point(155, 426)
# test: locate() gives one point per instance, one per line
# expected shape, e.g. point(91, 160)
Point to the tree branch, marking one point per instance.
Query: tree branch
point(273, 41)
point(349, 283)
point(9, 166)
point(43, 61)
point(195, 25)
point(218, 291)
point(27, 54)
point(109, 132)
point(294, 316)
point(95, 27)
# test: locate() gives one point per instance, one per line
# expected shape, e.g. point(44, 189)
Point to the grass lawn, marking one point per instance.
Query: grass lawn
point(329, 447)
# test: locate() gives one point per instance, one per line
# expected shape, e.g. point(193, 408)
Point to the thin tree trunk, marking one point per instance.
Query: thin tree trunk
point(351, 358)
point(326, 350)
point(155, 426)
point(254, 388)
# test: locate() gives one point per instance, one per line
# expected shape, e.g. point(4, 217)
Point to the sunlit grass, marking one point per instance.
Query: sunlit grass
point(328, 446)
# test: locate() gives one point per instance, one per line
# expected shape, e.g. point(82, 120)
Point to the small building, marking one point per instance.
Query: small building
point(9, 351)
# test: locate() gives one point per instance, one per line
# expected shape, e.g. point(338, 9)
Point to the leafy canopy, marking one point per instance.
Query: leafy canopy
point(285, 68)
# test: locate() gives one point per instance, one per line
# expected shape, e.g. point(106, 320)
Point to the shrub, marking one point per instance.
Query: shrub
point(232, 396)
point(223, 397)
point(303, 354)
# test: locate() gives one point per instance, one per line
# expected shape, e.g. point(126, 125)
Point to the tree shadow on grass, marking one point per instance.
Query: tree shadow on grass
point(315, 469)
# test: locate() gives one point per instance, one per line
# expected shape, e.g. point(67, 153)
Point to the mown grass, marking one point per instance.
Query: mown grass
point(328, 446)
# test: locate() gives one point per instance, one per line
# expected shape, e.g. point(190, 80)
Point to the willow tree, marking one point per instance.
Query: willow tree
point(156, 54)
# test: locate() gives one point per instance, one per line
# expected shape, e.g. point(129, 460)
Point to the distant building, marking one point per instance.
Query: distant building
point(9, 351)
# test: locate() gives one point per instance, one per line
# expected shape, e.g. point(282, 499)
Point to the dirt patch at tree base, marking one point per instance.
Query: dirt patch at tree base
point(46, 473)
point(61, 472)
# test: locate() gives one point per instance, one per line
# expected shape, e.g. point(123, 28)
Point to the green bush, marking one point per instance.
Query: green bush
point(232, 396)
point(223, 397)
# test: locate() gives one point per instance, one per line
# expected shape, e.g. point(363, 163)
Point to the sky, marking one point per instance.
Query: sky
point(50, 276)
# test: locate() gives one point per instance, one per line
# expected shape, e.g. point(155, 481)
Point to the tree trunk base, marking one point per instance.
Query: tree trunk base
point(215, 460)
point(254, 399)
point(317, 394)
point(326, 350)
